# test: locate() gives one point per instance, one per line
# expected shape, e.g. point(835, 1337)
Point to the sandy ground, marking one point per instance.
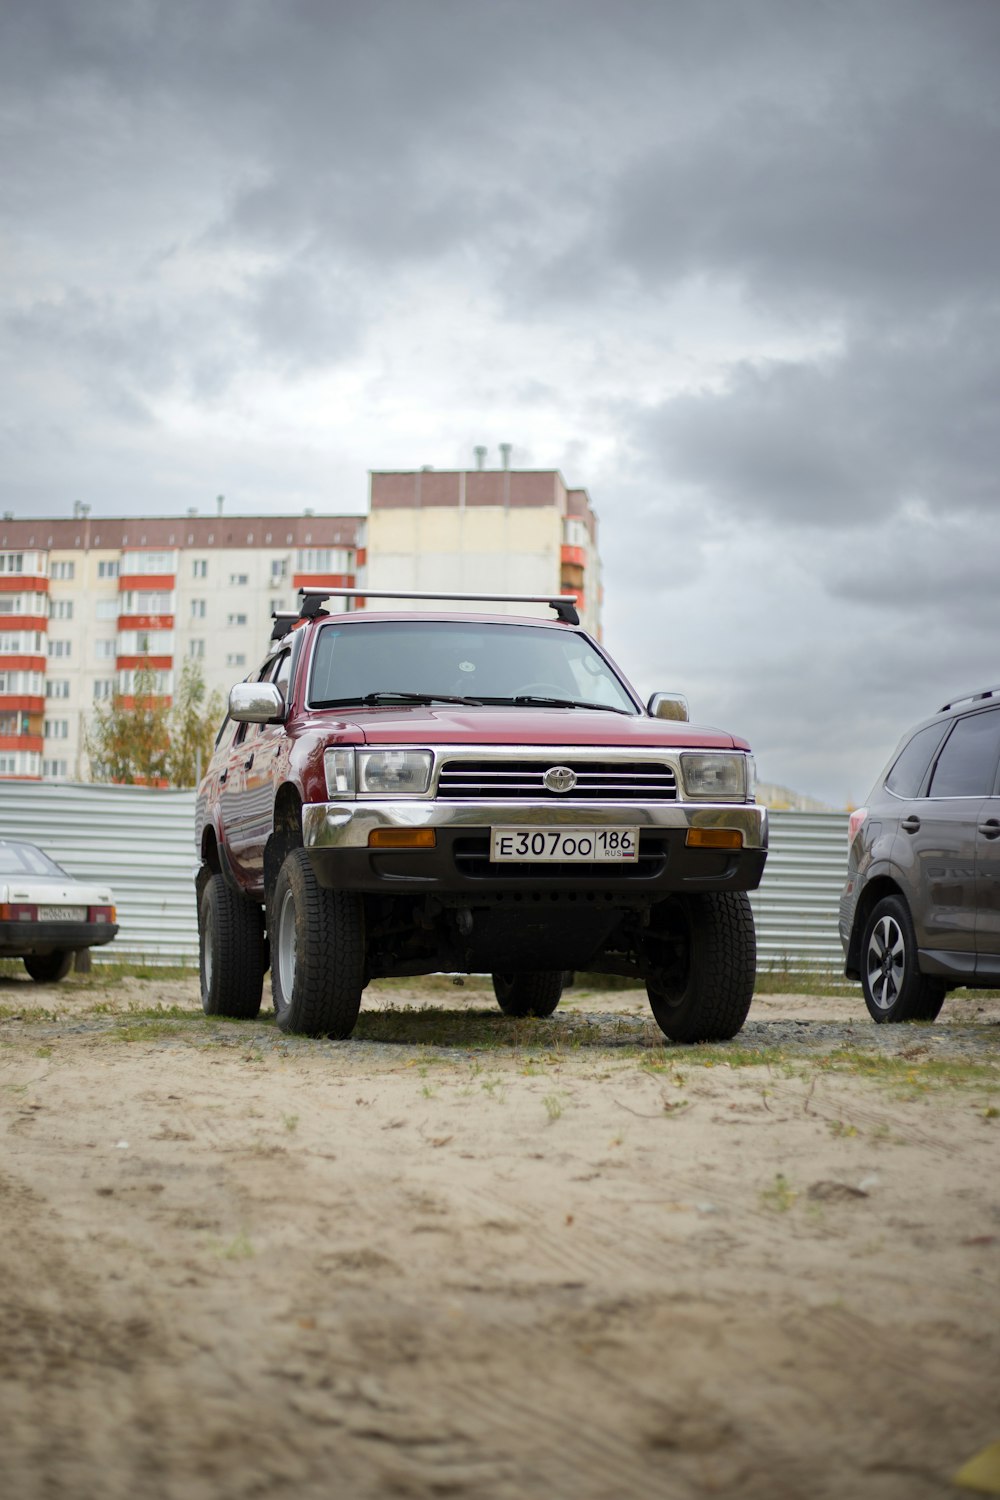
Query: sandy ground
point(461, 1256)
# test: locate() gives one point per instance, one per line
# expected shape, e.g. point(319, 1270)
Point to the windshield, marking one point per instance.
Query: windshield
point(442, 659)
point(25, 859)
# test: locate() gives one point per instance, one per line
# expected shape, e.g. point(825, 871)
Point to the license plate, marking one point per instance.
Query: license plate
point(581, 846)
point(62, 913)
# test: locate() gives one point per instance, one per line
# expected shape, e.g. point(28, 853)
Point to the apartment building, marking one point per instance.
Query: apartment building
point(503, 531)
point(86, 601)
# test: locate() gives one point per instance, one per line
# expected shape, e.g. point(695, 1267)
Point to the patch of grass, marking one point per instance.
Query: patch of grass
point(913, 1075)
point(239, 1248)
point(553, 1107)
point(839, 1129)
point(780, 1196)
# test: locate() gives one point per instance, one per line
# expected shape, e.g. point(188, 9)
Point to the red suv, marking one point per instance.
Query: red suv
point(413, 791)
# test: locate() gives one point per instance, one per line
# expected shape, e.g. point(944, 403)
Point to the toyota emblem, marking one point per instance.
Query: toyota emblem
point(559, 779)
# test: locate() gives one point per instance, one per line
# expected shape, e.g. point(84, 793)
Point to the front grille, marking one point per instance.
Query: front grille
point(521, 780)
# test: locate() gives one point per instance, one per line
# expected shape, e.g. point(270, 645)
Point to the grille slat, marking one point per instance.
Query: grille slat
point(625, 781)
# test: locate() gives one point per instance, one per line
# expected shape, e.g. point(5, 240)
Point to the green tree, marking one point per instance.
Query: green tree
point(143, 740)
point(192, 724)
point(128, 740)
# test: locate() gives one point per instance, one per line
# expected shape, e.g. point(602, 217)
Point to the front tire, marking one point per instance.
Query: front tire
point(705, 995)
point(231, 952)
point(48, 968)
point(317, 952)
point(894, 988)
point(534, 994)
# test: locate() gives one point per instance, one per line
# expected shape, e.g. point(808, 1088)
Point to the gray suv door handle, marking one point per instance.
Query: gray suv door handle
point(911, 824)
point(990, 829)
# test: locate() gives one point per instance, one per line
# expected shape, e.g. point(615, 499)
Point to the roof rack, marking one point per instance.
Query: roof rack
point(284, 619)
point(978, 697)
point(312, 600)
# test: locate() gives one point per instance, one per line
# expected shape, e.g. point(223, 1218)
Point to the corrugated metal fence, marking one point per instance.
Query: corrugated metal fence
point(142, 842)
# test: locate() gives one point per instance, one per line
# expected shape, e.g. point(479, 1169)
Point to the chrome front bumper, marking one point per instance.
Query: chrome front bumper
point(347, 825)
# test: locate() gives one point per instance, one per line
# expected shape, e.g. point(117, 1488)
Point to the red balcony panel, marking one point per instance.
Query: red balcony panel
point(22, 742)
point(323, 580)
point(23, 583)
point(146, 622)
point(24, 622)
point(577, 555)
point(160, 583)
point(157, 663)
point(360, 557)
point(22, 663)
point(22, 703)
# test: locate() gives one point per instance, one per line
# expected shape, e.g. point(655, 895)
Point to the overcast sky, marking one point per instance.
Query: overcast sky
point(734, 267)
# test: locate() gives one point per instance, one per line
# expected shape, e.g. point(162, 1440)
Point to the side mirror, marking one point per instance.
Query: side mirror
point(668, 706)
point(256, 703)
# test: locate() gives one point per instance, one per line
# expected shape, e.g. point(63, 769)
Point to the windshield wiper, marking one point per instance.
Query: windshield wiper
point(387, 696)
point(533, 699)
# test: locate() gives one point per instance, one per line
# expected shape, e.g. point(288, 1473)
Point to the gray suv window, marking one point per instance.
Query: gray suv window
point(907, 775)
point(967, 765)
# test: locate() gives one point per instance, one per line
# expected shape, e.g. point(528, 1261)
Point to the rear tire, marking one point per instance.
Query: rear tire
point(231, 952)
point(534, 994)
point(48, 968)
point(706, 996)
point(894, 988)
point(317, 952)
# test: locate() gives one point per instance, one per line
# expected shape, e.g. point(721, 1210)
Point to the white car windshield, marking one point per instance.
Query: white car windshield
point(25, 859)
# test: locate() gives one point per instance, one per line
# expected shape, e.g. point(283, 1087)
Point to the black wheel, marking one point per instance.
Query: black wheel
point(704, 993)
point(894, 988)
point(317, 952)
point(535, 994)
point(231, 954)
point(48, 968)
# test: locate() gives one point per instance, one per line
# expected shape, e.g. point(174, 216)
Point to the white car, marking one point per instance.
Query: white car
point(45, 915)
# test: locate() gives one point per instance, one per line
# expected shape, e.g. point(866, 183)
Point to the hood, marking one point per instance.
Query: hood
point(448, 724)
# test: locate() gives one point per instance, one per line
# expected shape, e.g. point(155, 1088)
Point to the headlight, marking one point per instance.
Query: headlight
point(715, 777)
point(387, 773)
point(339, 767)
point(377, 773)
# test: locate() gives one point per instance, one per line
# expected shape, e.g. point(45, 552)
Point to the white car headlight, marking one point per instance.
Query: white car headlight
point(340, 777)
point(715, 776)
point(393, 773)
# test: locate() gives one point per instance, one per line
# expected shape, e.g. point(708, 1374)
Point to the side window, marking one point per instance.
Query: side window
point(967, 765)
point(283, 674)
point(907, 774)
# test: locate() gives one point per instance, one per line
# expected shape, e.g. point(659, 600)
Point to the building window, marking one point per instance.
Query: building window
point(197, 609)
point(62, 570)
point(104, 687)
point(110, 568)
point(106, 609)
point(279, 569)
point(149, 562)
point(10, 724)
point(236, 659)
point(61, 648)
point(8, 765)
point(57, 687)
point(196, 649)
point(60, 609)
point(103, 650)
point(57, 729)
point(162, 681)
point(323, 560)
point(145, 602)
point(238, 580)
point(236, 619)
point(11, 562)
point(199, 567)
point(54, 768)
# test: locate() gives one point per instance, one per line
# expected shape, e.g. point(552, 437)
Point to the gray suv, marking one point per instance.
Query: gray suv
point(920, 911)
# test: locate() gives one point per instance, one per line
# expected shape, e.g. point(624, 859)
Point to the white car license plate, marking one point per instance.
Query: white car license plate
point(62, 913)
point(582, 846)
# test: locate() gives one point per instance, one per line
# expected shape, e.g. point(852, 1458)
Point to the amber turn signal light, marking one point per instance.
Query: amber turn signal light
point(402, 838)
point(714, 838)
